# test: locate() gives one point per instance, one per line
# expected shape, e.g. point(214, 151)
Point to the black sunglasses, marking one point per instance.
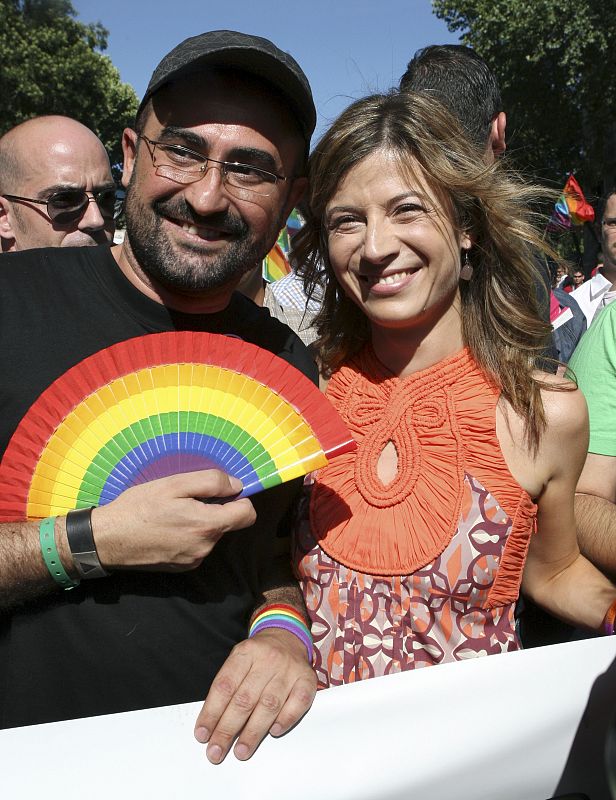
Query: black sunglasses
point(69, 205)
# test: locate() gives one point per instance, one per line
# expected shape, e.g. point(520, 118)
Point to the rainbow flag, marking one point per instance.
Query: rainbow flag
point(276, 263)
point(295, 222)
point(571, 207)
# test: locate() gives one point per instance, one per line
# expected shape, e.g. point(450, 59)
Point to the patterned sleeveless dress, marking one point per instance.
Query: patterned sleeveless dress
point(427, 568)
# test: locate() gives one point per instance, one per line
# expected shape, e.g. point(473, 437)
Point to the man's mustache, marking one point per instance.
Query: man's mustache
point(223, 221)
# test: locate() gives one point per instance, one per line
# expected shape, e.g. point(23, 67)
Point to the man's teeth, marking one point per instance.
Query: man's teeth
point(205, 233)
point(388, 279)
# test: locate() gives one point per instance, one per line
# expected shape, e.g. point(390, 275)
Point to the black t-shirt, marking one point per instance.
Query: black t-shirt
point(135, 639)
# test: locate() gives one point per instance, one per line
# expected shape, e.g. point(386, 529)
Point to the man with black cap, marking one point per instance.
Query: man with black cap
point(163, 585)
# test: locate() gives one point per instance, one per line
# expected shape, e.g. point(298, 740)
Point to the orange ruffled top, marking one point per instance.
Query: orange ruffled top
point(442, 422)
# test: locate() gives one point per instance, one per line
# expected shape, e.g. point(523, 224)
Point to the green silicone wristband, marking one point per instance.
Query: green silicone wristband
point(51, 556)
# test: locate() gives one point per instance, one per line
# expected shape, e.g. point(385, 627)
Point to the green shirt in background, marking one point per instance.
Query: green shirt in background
point(594, 365)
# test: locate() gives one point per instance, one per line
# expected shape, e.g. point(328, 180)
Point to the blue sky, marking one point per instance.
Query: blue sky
point(347, 48)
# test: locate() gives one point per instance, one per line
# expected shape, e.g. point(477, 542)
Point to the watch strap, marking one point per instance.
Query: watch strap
point(81, 543)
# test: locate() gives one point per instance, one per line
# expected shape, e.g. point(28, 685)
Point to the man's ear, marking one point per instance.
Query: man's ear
point(7, 235)
point(497, 141)
point(129, 149)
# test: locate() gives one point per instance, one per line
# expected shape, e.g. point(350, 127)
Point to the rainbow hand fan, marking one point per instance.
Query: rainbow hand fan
point(160, 405)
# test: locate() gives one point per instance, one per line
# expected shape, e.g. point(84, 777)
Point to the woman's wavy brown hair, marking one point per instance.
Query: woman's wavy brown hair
point(500, 320)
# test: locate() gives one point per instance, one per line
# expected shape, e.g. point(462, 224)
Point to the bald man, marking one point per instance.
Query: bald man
point(56, 188)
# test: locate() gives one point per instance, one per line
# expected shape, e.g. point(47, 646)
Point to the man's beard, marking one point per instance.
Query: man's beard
point(192, 271)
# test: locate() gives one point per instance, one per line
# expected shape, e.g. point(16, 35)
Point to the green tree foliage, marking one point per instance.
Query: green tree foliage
point(50, 63)
point(555, 61)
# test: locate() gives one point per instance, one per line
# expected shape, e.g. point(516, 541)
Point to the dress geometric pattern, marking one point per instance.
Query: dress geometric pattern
point(365, 625)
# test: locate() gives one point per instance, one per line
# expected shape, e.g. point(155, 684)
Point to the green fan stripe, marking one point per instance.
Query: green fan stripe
point(171, 422)
point(271, 480)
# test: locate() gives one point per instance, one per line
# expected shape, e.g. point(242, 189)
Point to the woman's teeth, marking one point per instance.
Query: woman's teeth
point(387, 280)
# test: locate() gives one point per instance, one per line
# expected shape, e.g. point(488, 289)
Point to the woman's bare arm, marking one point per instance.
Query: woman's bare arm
point(557, 576)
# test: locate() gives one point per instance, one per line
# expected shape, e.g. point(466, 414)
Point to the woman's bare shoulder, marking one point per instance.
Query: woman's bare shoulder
point(563, 441)
point(564, 405)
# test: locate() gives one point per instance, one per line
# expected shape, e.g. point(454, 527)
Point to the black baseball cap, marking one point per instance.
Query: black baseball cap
point(251, 54)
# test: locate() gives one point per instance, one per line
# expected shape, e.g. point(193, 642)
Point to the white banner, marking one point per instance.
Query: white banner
point(518, 726)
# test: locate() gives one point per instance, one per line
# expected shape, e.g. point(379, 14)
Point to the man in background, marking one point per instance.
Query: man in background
point(461, 80)
point(56, 188)
point(595, 294)
point(594, 365)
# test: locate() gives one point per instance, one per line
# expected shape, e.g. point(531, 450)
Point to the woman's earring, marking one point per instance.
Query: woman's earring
point(466, 273)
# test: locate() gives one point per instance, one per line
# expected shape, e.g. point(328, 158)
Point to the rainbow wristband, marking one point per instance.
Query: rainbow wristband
point(51, 556)
point(609, 621)
point(285, 617)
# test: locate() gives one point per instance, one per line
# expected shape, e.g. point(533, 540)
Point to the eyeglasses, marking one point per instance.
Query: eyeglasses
point(69, 205)
point(180, 164)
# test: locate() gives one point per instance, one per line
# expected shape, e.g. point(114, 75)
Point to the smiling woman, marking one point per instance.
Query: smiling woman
point(416, 545)
point(394, 250)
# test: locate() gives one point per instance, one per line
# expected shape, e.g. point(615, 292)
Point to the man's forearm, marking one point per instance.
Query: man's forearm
point(23, 573)
point(595, 519)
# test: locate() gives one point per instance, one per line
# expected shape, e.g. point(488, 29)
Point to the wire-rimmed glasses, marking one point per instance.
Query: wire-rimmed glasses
point(183, 165)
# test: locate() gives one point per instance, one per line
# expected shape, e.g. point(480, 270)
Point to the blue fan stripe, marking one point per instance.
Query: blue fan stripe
point(192, 453)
